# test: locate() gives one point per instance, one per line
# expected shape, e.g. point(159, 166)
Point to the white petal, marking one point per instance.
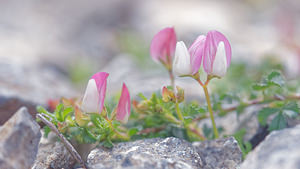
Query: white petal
point(220, 62)
point(181, 64)
point(90, 102)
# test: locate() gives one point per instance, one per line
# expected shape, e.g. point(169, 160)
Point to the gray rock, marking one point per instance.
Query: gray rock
point(279, 150)
point(147, 154)
point(19, 139)
point(219, 154)
point(36, 84)
point(53, 155)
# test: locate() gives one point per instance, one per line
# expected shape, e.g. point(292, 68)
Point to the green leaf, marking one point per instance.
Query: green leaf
point(264, 113)
point(142, 96)
point(208, 132)
point(88, 137)
point(58, 112)
point(98, 121)
point(107, 143)
point(291, 109)
point(116, 123)
point(260, 86)
point(67, 112)
point(42, 110)
point(275, 78)
point(279, 122)
point(46, 131)
point(133, 131)
point(246, 147)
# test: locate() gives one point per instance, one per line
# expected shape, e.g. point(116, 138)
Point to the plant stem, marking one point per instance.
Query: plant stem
point(178, 112)
point(172, 79)
point(263, 101)
point(180, 116)
point(210, 111)
point(121, 136)
point(197, 133)
point(67, 144)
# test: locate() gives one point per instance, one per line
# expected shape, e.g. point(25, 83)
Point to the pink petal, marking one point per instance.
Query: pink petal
point(101, 82)
point(123, 108)
point(213, 38)
point(196, 52)
point(163, 45)
point(165, 91)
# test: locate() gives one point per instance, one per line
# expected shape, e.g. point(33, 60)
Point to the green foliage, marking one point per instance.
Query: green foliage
point(244, 86)
point(273, 79)
point(155, 117)
point(281, 111)
point(84, 128)
point(245, 146)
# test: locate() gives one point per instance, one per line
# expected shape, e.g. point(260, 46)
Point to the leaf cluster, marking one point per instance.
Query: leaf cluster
point(83, 128)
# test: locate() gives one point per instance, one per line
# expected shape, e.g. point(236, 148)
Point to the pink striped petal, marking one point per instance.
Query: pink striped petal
point(123, 108)
point(196, 53)
point(213, 38)
point(163, 46)
point(101, 82)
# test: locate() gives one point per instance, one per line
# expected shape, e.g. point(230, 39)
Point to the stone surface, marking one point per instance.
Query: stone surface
point(19, 138)
point(221, 153)
point(36, 84)
point(53, 155)
point(147, 154)
point(279, 150)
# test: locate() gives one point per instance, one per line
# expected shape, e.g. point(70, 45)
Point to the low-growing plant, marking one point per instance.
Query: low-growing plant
point(90, 122)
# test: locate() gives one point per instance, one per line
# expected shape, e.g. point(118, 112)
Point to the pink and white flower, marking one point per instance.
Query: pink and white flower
point(93, 100)
point(188, 62)
point(217, 54)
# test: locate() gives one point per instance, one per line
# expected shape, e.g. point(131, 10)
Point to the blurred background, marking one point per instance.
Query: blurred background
point(49, 49)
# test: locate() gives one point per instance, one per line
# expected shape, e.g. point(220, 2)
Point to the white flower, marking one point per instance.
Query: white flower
point(220, 63)
point(90, 102)
point(182, 64)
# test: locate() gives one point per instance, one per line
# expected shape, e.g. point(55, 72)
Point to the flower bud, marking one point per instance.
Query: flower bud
point(196, 51)
point(181, 64)
point(163, 46)
point(167, 95)
point(179, 94)
point(123, 108)
point(217, 54)
point(143, 106)
point(93, 100)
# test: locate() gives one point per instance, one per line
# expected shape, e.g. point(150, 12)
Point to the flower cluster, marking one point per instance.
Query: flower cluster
point(93, 100)
point(213, 50)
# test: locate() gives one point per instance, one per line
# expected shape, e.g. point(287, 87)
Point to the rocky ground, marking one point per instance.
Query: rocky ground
point(22, 147)
point(38, 54)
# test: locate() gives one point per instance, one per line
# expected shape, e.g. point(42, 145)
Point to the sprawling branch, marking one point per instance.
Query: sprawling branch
point(263, 101)
point(67, 144)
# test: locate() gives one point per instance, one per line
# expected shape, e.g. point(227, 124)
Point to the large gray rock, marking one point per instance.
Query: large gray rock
point(219, 154)
point(147, 154)
point(19, 139)
point(53, 155)
point(279, 150)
